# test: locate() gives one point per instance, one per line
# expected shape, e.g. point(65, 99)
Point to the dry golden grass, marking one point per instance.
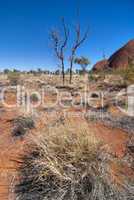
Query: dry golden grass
point(63, 147)
point(67, 162)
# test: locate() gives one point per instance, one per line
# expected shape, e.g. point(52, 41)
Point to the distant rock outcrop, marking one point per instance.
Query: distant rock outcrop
point(123, 57)
point(101, 65)
point(120, 59)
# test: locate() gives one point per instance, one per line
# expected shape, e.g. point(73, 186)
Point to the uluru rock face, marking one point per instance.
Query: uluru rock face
point(120, 59)
point(101, 65)
point(123, 57)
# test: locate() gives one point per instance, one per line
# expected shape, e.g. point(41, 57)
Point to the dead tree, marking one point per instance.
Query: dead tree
point(59, 45)
point(78, 42)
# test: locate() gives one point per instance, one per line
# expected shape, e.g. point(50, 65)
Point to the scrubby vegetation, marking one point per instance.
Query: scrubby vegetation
point(127, 74)
point(34, 98)
point(70, 165)
point(13, 77)
point(21, 125)
point(123, 122)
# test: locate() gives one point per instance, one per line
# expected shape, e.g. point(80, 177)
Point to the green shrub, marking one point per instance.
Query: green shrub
point(90, 76)
point(34, 98)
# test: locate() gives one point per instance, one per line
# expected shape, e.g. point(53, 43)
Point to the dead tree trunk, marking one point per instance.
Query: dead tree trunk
point(63, 71)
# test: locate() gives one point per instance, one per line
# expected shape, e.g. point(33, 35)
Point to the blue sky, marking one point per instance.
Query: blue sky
point(25, 26)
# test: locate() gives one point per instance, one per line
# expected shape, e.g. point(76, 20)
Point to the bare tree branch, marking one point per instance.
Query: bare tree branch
point(78, 42)
point(60, 44)
point(66, 36)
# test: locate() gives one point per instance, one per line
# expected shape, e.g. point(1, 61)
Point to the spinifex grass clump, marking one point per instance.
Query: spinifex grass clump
point(68, 164)
point(21, 125)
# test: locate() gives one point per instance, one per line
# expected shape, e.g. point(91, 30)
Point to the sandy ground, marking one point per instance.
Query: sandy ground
point(11, 149)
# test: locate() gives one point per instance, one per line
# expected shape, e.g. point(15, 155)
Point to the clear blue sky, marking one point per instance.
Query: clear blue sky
point(25, 25)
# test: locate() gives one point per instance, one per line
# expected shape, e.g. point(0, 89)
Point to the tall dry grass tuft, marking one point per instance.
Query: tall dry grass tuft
point(69, 164)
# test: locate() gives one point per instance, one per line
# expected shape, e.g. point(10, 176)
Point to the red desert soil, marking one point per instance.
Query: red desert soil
point(9, 156)
point(116, 139)
point(9, 152)
point(11, 148)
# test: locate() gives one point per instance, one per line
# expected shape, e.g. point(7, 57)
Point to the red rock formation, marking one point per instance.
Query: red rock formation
point(123, 57)
point(101, 65)
point(120, 59)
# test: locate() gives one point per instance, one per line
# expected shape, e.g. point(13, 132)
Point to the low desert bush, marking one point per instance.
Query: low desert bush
point(127, 74)
point(90, 76)
point(34, 98)
point(21, 125)
point(14, 78)
point(94, 76)
point(124, 123)
point(68, 165)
